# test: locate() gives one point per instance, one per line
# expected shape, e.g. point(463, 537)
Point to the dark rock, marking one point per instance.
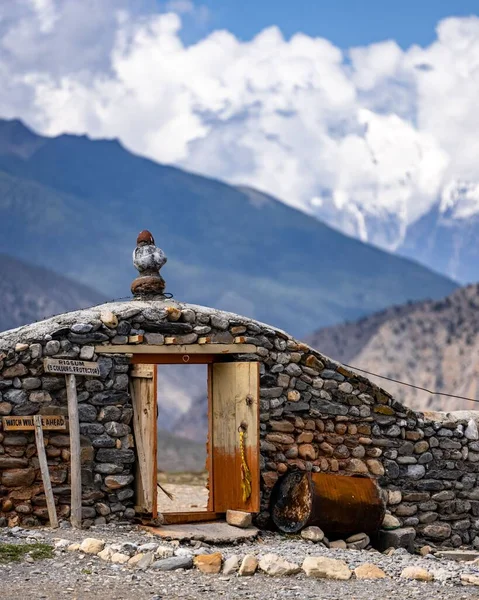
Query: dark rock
point(27, 408)
point(105, 364)
point(173, 563)
point(109, 413)
point(329, 408)
point(168, 328)
point(115, 456)
point(8, 462)
point(397, 538)
point(60, 441)
point(103, 441)
point(91, 428)
point(88, 338)
point(18, 477)
point(437, 531)
point(109, 397)
point(115, 482)
point(108, 468)
point(86, 413)
point(52, 384)
point(391, 469)
point(15, 396)
point(430, 485)
point(116, 429)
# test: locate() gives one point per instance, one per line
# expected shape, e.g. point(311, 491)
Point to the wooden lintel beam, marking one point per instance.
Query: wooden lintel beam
point(177, 349)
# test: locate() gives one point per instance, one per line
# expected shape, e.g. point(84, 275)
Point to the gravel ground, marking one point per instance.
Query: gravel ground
point(73, 575)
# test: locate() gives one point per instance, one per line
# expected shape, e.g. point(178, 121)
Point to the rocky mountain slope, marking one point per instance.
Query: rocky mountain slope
point(76, 205)
point(29, 293)
point(430, 344)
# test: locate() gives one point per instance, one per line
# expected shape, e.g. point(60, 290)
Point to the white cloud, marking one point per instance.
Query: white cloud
point(359, 139)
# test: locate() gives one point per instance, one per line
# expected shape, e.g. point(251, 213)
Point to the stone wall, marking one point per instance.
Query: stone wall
point(315, 415)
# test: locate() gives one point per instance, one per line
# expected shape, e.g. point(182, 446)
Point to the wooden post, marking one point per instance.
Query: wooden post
point(75, 461)
point(42, 459)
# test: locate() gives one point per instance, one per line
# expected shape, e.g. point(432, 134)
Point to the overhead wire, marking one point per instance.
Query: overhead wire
point(411, 385)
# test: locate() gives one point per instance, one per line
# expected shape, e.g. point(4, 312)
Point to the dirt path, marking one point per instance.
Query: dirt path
point(189, 491)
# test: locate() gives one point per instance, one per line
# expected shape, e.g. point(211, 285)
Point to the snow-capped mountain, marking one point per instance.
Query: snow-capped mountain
point(390, 178)
point(444, 236)
point(459, 200)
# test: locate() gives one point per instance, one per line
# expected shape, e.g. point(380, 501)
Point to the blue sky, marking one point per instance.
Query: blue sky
point(346, 23)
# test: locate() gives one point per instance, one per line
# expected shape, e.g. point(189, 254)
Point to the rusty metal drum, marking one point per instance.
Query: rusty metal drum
point(340, 505)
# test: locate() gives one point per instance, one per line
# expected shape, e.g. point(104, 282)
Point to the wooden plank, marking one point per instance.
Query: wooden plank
point(75, 461)
point(174, 359)
point(226, 475)
point(247, 417)
point(135, 339)
point(177, 349)
point(209, 464)
point(66, 366)
point(143, 396)
point(141, 370)
point(42, 460)
point(235, 401)
point(191, 517)
point(154, 435)
point(51, 422)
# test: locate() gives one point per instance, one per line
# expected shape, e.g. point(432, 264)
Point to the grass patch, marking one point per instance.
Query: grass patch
point(15, 552)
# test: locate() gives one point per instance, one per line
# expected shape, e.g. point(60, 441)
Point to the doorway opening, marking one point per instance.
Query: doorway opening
point(183, 428)
point(223, 398)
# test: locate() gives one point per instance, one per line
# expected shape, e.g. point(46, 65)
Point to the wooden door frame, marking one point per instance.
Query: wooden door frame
point(178, 359)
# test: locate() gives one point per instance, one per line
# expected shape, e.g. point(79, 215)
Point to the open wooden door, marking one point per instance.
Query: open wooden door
point(143, 396)
point(234, 389)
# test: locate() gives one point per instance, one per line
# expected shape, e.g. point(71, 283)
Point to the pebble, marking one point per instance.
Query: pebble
point(248, 566)
point(369, 571)
point(313, 533)
point(417, 573)
point(328, 568)
point(231, 565)
point(272, 564)
point(173, 563)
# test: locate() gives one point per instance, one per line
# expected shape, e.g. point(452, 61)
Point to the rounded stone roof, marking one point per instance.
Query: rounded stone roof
point(126, 309)
point(59, 326)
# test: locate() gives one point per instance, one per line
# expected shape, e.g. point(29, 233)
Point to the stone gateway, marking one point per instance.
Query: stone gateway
point(299, 411)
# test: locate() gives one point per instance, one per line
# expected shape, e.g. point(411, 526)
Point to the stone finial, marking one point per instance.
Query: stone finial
point(148, 260)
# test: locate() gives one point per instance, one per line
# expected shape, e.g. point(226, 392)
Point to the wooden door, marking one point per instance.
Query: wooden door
point(234, 389)
point(143, 397)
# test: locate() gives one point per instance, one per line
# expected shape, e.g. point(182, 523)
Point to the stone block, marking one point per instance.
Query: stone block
point(417, 573)
point(238, 518)
point(18, 477)
point(209, 563)
point(398, 538)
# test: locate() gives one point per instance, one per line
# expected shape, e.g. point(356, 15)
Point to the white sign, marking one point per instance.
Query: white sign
point(66, 366)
